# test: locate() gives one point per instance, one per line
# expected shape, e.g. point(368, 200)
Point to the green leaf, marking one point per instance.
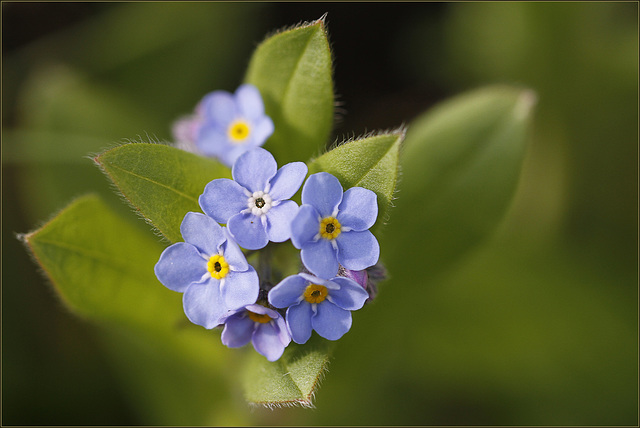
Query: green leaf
point(102, 266)
point(162, 182)
point(292, 70)
point(461, 162)
point(370, 162)
point(291, 380)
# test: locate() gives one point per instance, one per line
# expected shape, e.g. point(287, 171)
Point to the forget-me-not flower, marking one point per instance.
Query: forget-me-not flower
point(331, 227)
point(210, 269)
point(255, 205)
point(261, 326)
point(317, 304)
point(231, 124)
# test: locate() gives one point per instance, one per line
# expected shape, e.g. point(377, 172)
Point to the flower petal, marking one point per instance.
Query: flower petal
point(262, 310)
point(287, 292)
point(233, 254)
point(299, 321)
point(212, 140)
point(220, 108)
point(283, 331)
point(261, 131)
point(351, 296)
point(330, 321)
point(267, 342)
point(358, 209)
point(223, 198)
point(202, 232)
point(238, 329)
point(279, 221)
point(320, 258)
point(240, 288)
point(323, 191)
point(288, 180)
point(248, 231)
point(254, 169)
point(249, 101)
point(357, 250)
point(304, 226)
point(179, 265)
point(203, 303)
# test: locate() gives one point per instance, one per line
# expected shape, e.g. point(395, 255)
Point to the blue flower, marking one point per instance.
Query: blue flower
point(256, 206)
point(317, 304)
point(232, 123)
point(264, 327)
point(331, 228)
point(210, 269)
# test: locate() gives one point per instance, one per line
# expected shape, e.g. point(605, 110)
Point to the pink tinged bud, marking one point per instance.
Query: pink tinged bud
point(359, 276)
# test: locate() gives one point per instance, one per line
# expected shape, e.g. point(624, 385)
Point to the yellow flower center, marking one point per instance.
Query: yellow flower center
point(261, 318)
point(329, 228)
point(315, 293)
point(238, 131)
point(218, 266)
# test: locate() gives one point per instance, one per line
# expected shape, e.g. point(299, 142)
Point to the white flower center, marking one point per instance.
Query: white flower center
point(259, 203)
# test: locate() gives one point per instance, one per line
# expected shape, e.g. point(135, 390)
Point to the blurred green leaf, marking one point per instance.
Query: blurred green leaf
point(370, 162)
point(461, 163)
point(292, 379)
point(292, 70)
point(162, 182)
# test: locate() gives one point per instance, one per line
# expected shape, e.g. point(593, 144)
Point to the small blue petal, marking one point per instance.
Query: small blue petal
point(248, 231)
point(304, 226)
point(323, 191)
point(287, 180)
point(180, 264)
point(223, 198)
point(330, 321)
point(262, 310)
point(288, 291)
point(238, 329)
point(220, 108)
point(351, 296)
point(299, 321)
point(320, 258)
point(262, 129)
point(203, 303)
point(212, 139)
point(233, 255)
point(254, 169)
point(358, 209)
point(202, 232)
point(240, 288)
point(267, 342)
point(279, 221)
point(357, 250)
point(249, 101)
point(283, 331)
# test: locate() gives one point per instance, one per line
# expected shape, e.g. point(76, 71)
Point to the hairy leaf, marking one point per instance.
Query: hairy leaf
point(370, 162)
point(291, 380)
point(163, 183)
point(102, 266)
point(292, 70)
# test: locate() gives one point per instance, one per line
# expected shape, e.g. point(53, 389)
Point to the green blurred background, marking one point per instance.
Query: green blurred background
point(536, 326)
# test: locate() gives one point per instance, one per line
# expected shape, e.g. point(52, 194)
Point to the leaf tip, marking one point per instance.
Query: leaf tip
point(322, 19)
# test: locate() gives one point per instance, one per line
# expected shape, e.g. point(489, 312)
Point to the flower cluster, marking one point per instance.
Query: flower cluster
point(330, 228)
